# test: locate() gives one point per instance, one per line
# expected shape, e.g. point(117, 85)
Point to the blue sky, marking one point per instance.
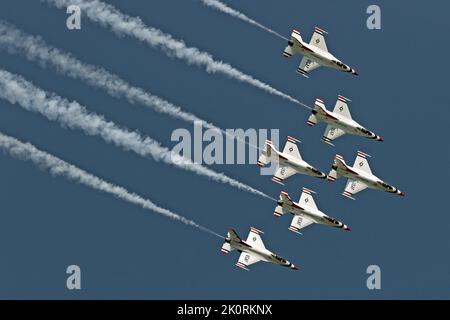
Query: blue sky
point(49, 223)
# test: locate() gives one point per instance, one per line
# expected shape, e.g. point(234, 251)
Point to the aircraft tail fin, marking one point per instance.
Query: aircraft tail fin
point(333, 175)
point(266, 155)
point(319, 106)
point(231, 236)
point(289, 51)
point(284, 199)
point(296, 34)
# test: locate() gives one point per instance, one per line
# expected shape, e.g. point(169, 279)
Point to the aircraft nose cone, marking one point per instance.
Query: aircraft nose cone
point(354, 72)
point(347, 228)
point(380, 139)
point(294, 267)
point(401, 194)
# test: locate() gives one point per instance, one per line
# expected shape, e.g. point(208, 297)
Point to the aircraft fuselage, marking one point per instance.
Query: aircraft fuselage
point(346, 124)
point(262, 253)
point(315, 215)
point(316, 54)
point(368, 179)
point(299, 165)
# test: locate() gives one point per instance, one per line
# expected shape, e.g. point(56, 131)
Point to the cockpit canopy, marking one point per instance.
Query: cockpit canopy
point(333, 221)
point(385, 185)
point(341, 64)
point(280, 259)
point(364, 130)
point(315, 170)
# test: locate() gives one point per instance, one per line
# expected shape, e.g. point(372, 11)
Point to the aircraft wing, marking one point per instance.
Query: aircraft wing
point(353, 187)
point(307, 65)
point(361, 162)
point(332, 133)
point(283, 172)
point(246, 259)
point(318, 39)
point(306, 199)
point(299, 222)
point(291, 148)
point(254, 238)
point(341, 107)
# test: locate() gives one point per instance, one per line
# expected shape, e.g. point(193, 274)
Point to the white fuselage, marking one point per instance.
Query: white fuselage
point(370, 180)
point(313, 214)
point(346, 124)
point(297, 164)
point(322, 57)
point(259, 252)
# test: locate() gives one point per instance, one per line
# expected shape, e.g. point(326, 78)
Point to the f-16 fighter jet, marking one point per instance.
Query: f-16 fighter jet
point(289, 161)
point(315, 53)
point(252, 250)
point(339, 121)
point(359, 176)
point(305, 212)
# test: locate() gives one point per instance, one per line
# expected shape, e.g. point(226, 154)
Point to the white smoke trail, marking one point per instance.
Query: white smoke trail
point(33, 48)
point(58, 167)
point(108, 16)
point(17, 90)
point(220, 6)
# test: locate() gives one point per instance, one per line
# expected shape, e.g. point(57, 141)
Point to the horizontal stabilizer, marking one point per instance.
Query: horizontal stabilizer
point(226, 248)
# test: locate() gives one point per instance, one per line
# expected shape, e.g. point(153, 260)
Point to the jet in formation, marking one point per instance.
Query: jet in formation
point(339, 121)
point(305, 212)
point(252, 250)
point(315, 53)
point(359, 176)
point(289, 161)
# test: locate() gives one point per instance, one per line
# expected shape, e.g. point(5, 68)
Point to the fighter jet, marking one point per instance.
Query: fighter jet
point(339, 121)
point(289, 161)
point(359, 176)
point(305, 212)
point(315, 53)
point(252, 250)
